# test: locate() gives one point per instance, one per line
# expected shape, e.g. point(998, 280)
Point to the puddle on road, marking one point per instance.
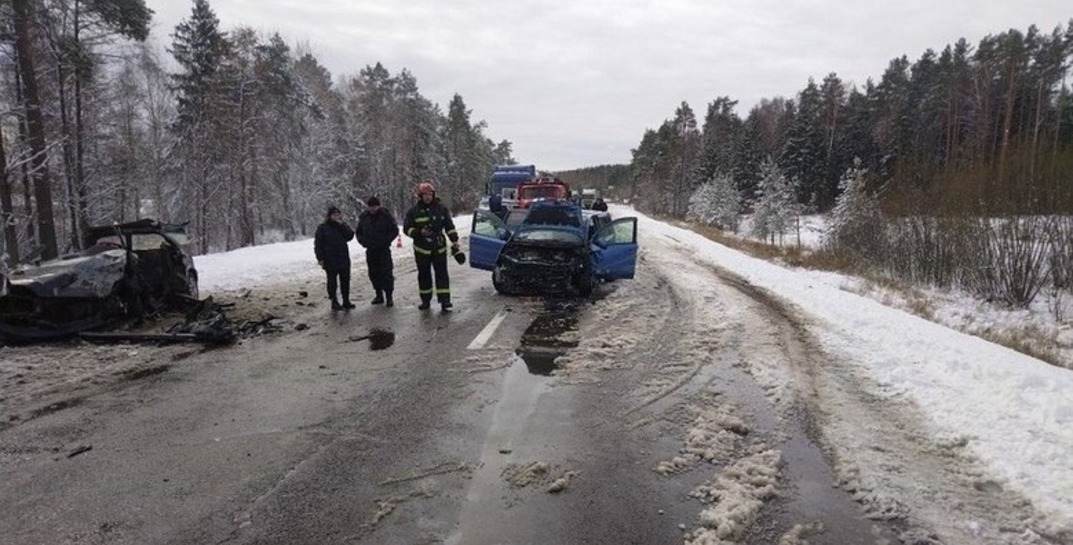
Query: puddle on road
point(379, 339)
point(552, 334)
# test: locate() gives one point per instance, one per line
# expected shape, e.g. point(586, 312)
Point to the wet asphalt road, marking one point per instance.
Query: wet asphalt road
point(309, 437)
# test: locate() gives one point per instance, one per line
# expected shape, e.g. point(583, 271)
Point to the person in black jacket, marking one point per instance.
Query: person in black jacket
point(495, 204)
point(429, 224)
point(376, 230)
point(599, 205)
point(333, 255)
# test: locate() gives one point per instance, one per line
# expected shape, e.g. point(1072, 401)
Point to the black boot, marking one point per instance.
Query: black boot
point(425, 304)
point(336, 305)
point(379, 299)
point(390, 302)
point(348, 305)
point(446, 306)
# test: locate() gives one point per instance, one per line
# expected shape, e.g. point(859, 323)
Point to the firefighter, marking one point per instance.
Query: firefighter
point(429, 224)
point(376, 230)
point(333, 255)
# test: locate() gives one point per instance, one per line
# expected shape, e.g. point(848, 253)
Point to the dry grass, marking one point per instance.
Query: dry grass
point(1030, 341)
point(755, 248)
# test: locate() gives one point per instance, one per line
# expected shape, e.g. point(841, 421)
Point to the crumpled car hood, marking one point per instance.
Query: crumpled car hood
point(82, 276)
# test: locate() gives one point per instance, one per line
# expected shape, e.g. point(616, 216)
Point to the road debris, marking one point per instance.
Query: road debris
point(442, 469)
point(521, 476)
point(560, 484)
point(205, 322)
point(80, 450)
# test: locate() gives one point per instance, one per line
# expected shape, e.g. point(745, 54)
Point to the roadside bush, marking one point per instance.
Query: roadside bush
point(1060, 264)
point(1017, 251)
point(928, 250)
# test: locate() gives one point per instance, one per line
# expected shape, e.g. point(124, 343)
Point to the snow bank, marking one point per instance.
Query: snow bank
point(245, 267)
point(1013, 411)
point(255, 265)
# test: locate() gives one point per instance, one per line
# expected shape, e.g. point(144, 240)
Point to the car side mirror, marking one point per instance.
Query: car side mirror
point(502, 233)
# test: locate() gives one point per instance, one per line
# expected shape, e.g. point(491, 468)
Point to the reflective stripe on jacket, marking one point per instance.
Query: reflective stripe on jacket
point(430, 226)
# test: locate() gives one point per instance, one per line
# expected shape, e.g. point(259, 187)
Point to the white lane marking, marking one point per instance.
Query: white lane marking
point(483, 337)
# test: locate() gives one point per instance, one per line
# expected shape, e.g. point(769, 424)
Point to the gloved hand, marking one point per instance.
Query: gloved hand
point(459, 256)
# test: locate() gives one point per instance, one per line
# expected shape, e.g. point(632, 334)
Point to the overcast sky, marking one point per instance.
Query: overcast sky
point(576, 84)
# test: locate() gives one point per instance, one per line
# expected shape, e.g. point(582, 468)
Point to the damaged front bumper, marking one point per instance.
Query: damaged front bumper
point(540, 270)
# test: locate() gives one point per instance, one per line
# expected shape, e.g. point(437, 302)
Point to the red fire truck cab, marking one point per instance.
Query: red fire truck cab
point(542, 189)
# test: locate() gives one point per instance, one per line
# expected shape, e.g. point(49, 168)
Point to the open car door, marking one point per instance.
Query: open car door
point(614, 250)
point(486, 240)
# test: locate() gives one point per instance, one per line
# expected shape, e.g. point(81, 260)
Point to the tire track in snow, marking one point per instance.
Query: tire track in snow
point(882, 450)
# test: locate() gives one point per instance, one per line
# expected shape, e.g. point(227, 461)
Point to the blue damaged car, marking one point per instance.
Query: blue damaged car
point(557, 248)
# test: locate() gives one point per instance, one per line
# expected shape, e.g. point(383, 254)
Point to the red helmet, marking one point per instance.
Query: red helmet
point(425, 187)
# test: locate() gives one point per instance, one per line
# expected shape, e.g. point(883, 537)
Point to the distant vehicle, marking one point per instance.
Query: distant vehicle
point(542, 189)
point(127, 270)
point(589, 196)
point(505, 180)
point(557, 248)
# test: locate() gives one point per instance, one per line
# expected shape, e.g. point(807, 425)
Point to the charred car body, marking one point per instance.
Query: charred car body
point(126, 271)
point(557, 248)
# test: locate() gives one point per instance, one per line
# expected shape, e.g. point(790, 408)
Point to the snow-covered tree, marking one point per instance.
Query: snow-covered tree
point(776, 204)
point(716, 203)
point(855, 216)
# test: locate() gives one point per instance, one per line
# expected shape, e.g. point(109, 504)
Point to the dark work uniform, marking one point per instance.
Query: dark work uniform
point(430, 226)
point(330, 245)
point(599, 205)
point(376, 232)
point(495, 204)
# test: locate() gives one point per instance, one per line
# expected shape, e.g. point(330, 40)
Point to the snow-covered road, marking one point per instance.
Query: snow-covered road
point(1013, 412)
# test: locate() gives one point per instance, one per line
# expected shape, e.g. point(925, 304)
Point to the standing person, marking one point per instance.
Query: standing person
point(333, 255)
point(376, 230)
point(495, 205)
point(599, 205)
point(427, 223)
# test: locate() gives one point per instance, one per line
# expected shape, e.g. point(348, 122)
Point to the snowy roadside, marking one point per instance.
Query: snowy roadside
point(1012, 411)
point(1035, 331)
point(273, 263)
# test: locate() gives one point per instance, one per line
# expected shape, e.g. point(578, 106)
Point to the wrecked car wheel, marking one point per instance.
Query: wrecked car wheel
point(500, 283)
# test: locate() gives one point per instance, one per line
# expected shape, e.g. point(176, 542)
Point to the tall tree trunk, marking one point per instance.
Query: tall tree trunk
point(68, 154)
point(27, 202)
point(1007, 120)
point(23, 11)
point(80, 174)
point(7, 212)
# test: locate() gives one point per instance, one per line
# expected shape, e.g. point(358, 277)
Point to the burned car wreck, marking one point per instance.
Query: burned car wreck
point(556, 249)
point(127, 271)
